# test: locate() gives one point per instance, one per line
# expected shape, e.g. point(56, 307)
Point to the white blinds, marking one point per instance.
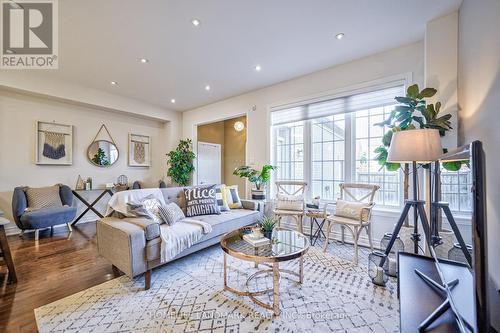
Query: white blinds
point(344, 104)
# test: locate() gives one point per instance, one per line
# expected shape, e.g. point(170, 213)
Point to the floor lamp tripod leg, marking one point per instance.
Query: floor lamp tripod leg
point(395, 233)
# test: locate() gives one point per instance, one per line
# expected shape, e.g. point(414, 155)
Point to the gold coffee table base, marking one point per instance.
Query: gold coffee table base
point(275, 271)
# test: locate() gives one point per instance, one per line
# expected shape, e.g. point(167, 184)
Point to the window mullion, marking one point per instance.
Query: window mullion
point(349, 163)
point(307, 157)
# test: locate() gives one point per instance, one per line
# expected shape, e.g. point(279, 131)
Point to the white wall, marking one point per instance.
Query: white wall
point(402, 60)
point(441, 71)
point(18, 113)
point(406, 59)
point(479, 104)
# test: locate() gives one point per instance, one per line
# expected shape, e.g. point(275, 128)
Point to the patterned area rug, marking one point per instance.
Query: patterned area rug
point(187, 296)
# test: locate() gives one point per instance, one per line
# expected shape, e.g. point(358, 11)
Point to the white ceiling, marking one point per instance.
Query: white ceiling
point(102, 41)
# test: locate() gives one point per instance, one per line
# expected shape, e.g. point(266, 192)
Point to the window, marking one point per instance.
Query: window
point(328, 156)
point(329, 142)
point(456, 189)
point(290, 151)
point(368, 136)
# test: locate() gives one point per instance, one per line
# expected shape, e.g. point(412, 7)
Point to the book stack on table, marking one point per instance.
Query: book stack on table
point(256, 242)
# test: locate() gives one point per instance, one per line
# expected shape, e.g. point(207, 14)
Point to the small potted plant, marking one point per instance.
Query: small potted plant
point(258, 178)
point(267, 225)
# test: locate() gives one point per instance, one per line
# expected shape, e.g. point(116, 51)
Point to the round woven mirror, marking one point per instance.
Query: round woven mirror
point(102, 153)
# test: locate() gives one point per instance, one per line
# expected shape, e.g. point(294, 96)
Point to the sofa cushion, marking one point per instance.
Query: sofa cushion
point(175, 194)
point(290, 202)
point(171, 213)
point(353, 210)
point(201, 200)
point(232, 197)
point(146, 207)
point(47, 217)
point(43, 197)
point(151, 228)
point(220, 194)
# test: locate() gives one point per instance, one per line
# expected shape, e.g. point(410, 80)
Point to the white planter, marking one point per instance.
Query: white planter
point(258, 194)
point(448, 238)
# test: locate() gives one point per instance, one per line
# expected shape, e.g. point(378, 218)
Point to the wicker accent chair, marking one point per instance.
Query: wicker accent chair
point(360, 193)
point(290, 187)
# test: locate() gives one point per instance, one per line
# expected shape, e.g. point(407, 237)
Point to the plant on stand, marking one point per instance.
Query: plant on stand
point(180, 163)
point(256, 177)
point(412, 111)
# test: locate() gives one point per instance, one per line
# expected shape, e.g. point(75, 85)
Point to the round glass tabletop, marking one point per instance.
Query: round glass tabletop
point(285, 245)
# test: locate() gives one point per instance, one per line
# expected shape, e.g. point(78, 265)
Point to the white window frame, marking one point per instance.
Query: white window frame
point(349, 151)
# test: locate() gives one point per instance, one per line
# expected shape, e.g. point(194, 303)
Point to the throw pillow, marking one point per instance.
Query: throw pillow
point(147, 207)
point(201, 200)
point(43, 197)
point(232, 197)
point(352, 210)
point(220, 194)
point(171, 213)
point(290, 202)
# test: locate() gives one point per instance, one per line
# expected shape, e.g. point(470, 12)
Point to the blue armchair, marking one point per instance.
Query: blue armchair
point(44, 217)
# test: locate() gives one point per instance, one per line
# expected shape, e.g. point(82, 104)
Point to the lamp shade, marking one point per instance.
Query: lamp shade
point(419, 145)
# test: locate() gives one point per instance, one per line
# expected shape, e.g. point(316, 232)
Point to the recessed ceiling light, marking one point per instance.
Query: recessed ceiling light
point(258, 68)
point(207, 87)
point(339, 36)
point(195, 22)
point(144, 60)
point(114, 83)
point(172, 101)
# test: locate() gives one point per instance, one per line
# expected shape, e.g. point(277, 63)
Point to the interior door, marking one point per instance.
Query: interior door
point(209, 163)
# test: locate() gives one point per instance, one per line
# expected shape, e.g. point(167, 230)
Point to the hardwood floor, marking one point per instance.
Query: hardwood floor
point(54, 267)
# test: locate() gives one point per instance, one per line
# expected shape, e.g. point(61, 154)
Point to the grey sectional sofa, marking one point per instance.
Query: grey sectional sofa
point(133, 244)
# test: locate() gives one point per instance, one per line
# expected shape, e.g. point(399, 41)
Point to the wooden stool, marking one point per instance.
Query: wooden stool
point(5, 251)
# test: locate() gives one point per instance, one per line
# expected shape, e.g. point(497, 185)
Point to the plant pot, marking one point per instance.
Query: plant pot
point(258, 194)
point(268, 234)
point(447, 238)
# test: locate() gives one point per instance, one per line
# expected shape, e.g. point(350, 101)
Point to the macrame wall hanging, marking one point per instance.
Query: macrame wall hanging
point(53, 143)
point(140, 152)
point(53, 146)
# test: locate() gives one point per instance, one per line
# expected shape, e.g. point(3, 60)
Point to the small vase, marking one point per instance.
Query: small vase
point(268, 234)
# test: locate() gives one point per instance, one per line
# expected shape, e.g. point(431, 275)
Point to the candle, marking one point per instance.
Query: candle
point(393, 267)
point(378, 273)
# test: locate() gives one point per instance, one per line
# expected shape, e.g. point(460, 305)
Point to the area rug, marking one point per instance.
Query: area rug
point(187, 296)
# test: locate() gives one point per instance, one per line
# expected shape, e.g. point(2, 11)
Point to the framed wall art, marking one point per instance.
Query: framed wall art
point(139, 150)
point(54, 143)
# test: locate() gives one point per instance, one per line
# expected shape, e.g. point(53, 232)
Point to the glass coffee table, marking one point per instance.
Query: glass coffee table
point(285, 245)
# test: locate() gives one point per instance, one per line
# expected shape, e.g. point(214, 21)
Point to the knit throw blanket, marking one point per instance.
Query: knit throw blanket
point(53, 146)
point(181, 236)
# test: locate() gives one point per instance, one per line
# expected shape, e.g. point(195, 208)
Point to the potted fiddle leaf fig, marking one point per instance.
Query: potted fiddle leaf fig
point(180, 162)
point(413, 111)
point(256, 177)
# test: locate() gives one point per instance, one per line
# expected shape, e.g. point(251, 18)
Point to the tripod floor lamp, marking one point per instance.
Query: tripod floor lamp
point(414, 146)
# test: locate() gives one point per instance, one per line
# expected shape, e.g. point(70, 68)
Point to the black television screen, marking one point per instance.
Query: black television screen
point(459, 185)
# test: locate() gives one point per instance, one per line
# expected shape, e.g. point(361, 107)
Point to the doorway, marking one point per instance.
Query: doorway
point(209, 164)
point(231, 136)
